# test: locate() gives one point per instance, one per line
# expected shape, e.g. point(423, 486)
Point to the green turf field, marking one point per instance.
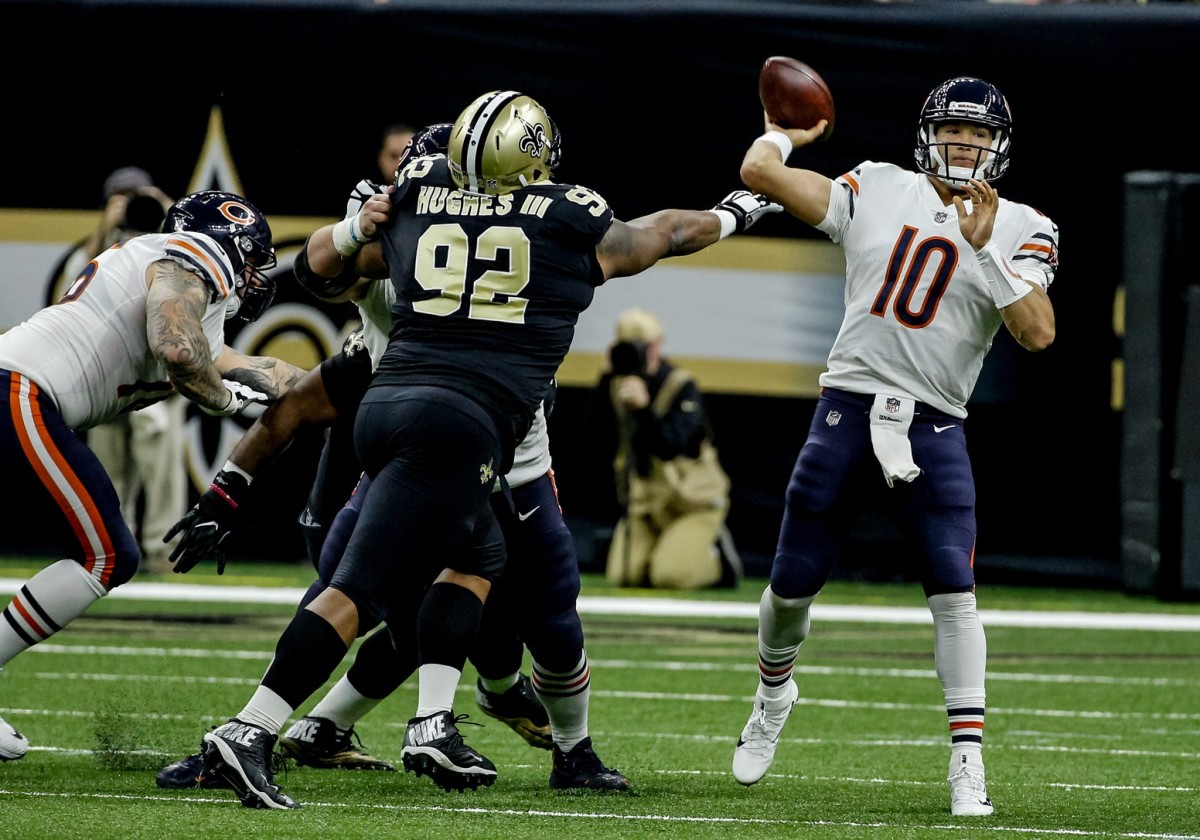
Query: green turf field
point(1090, 732)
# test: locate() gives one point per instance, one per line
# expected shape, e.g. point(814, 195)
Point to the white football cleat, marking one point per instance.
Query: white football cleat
point(968, 790)
point(756, 748)
point(13, 744)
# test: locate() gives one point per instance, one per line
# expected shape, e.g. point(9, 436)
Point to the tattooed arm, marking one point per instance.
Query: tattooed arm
point(630, 247)
point(175, 308)
point(273, 377)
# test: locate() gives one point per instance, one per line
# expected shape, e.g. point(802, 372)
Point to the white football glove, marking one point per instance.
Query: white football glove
point(241, 397)
point(745, 208)
point(363, 190)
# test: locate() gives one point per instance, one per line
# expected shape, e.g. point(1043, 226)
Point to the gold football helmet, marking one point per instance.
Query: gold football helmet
point(503, 141)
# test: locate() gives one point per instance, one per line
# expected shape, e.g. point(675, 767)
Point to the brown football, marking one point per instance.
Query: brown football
point(794, 95)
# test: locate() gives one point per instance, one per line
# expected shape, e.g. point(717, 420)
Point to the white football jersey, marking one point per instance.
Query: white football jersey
point(89, 351)
point(532, 457)
point(375, 310)
point(919, 317)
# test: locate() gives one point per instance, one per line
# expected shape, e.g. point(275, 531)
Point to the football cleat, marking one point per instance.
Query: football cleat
point(968, 790)
point(317, 742)
point(187, 773)
point(13, 744)
point(433, 748)
point(756, 748)
point(581, 769)
point(240, 753)
point(518, 708)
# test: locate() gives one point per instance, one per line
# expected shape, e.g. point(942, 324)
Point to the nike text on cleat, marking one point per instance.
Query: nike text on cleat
point(968, 789)
point(756, 748)
point(433, 748)
point(240, 753)
point(187, 773)
point(581, 769)
point(13, 745)
point(317, 742)
point(520, 709)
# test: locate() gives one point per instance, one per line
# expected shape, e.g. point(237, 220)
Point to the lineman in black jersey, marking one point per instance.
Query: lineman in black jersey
point(492, 263)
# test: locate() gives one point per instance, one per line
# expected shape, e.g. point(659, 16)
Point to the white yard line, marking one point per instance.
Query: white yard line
point(833, 827)
point(602, 605)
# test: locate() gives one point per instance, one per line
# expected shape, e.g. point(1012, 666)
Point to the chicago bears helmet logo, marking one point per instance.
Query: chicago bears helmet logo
point(237, 213)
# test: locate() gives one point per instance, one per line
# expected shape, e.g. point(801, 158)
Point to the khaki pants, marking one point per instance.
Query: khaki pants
point(142, 452)
point(683, 555)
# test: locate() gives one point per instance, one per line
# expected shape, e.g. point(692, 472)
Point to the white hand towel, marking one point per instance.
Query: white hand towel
point(890, 419)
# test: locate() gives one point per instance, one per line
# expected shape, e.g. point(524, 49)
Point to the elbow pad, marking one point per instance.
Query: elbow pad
point(322, 287)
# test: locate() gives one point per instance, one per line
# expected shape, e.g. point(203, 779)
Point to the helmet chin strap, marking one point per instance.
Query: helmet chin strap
point(956, 177)
point(233, 303)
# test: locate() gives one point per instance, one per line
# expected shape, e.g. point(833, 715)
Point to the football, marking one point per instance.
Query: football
point(794, 95)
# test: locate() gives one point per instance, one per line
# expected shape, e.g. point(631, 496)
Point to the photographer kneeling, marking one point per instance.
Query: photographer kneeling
point(672, 489)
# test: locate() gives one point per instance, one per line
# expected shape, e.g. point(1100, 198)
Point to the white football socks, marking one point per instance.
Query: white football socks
point(48, 602)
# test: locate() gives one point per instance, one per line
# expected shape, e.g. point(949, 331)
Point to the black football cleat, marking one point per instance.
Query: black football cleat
point(240, 753)
point(434, 748)
point(581, 769)
point(317, 742)
point(518, 708)
point(187, 773)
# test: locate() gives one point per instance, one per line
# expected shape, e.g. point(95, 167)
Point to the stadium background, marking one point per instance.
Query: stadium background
point(657, 103)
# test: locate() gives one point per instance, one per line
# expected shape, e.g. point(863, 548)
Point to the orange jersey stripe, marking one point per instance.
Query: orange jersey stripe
point(204, 258)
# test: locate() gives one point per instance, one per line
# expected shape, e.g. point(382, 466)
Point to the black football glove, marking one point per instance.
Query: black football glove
point(746, 208)
point(207, 525)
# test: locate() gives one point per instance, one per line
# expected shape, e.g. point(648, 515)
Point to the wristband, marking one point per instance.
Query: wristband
point(231, 467)
point(348, 237)
point(1007, 287)
point(728, 222)
point(780, 141)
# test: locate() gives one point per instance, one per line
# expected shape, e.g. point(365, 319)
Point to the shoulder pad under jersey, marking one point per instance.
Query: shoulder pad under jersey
point(201, 254)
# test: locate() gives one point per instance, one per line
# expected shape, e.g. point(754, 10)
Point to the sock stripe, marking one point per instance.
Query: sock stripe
point(48, 622)
point(773, 673)
point(563, 685)
point(25, 637)
point(966, 725)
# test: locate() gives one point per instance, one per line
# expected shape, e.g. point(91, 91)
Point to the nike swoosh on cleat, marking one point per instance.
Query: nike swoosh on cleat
point(524, 516)
point(940, 429)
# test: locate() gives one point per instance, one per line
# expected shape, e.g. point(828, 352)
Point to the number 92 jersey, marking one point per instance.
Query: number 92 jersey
point(488, 287)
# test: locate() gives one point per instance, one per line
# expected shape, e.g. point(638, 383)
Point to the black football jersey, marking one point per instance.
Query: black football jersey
point(488, 288)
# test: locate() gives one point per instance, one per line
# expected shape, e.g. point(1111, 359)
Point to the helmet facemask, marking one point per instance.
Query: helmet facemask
point(990, 160)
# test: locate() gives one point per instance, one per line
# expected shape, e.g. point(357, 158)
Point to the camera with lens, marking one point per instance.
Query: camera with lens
point(628, 358)
point(143, 213)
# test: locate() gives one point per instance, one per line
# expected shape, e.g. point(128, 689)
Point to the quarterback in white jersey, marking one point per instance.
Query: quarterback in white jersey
point(936, 261)
point(919, 315)
point(144, 319)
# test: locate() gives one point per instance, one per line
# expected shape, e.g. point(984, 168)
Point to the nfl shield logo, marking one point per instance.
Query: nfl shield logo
point(833, 418)
point(892, 405)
